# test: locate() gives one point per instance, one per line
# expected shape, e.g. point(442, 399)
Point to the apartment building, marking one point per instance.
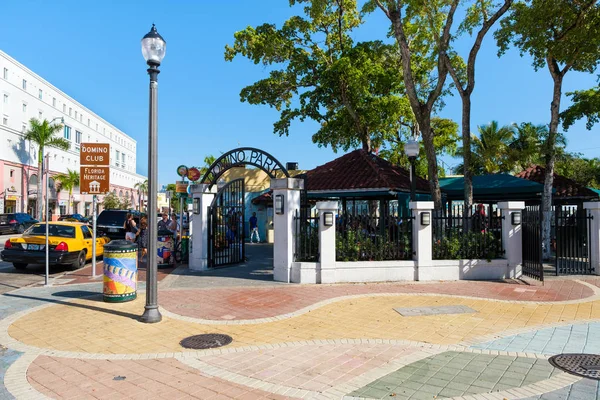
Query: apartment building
point(25, 95)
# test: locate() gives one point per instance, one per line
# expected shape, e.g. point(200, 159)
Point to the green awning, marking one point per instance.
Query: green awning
point(492, 187)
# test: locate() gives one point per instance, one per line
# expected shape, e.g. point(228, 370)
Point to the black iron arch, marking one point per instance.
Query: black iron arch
point(243, 156)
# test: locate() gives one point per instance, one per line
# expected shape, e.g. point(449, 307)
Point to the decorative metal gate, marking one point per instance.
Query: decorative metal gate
point(226, 225)
point(531, 225)
point(572, 225)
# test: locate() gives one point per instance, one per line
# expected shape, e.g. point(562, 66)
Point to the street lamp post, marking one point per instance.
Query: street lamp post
point(153, 50)
point(411, 148)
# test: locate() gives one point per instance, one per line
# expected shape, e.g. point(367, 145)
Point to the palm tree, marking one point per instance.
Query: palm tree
point(525, 149)
point(42, 134)
point(142, 188)
point(68, 181)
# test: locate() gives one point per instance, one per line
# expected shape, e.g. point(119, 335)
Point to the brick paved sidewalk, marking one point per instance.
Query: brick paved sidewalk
point(344, 347)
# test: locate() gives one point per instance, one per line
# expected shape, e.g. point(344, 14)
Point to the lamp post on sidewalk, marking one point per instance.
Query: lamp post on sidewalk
point(411, 148)
point(153, 50)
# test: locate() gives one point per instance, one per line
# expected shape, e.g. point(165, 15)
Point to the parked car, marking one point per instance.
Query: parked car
point(70, 244)
point(74, 218)
point(110, 223)
point(15, 222)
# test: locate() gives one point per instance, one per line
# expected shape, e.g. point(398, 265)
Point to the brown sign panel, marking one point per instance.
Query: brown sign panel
point(94, 154)
point(94, 180)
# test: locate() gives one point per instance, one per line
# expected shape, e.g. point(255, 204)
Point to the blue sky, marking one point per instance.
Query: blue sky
point(91, 51)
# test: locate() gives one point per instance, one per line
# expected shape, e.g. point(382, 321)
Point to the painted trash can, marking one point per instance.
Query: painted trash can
point(165, 248)
point(120, 271)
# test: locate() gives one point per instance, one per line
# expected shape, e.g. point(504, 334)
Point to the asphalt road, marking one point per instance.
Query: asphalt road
point(11, 278)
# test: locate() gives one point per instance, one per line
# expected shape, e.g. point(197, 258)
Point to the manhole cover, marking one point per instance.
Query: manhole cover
point(206, 341)
point(585, 365)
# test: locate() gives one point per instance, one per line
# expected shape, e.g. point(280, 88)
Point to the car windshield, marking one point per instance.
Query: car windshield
point(53, 230)
point(111, 218)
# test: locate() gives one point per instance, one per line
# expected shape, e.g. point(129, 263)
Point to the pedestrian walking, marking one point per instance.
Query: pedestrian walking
point(130, 228)
point(254, 228)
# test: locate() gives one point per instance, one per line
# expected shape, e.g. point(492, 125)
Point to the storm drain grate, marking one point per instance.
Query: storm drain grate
point(584, 365)
point(206, 341)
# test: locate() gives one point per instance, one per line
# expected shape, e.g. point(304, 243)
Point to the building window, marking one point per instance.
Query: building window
point(24, 84)
point(24, 107)
point(64, 108)
point(67, 132)
point(80, 117)
point(70, 111)
point(123, 159)
point(88, 122)
point(5, 120)
point(75, 114)
point(40, 94)
point(117, 161)
point(54, 102)
point(96, 127)
point(12, 173)
point(40, 115)
point(77, 137)
point(5, 99)
point(5, 74)
point(89, 138)
point(24, 128)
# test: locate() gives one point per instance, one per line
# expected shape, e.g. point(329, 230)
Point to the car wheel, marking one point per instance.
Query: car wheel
point(20, 228)
point(80, 263)
point(20, 265)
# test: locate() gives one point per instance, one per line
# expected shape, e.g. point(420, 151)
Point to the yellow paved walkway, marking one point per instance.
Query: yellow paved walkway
point(97, 327)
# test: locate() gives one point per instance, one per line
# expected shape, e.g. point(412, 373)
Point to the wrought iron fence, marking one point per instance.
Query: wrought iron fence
point(374, 238)
point(571, 242)
point(474, 233)
point(306, 236)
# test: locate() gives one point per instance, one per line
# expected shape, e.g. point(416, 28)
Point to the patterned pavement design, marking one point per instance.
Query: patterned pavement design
point(289, 341)
point(254, 303)
point(577, 338)
point(585, 389)
point(7, 357)
point(453, 374)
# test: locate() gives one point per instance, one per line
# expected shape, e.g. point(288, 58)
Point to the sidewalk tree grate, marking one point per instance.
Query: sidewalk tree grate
point(584, 365)
point(206, 341)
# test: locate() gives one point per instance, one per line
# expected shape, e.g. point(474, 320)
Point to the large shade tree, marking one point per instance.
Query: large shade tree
point(43, 134)
point(563, 36)
point(317, 72)
point(480, 16)
point(422, 30)
point(68, 181)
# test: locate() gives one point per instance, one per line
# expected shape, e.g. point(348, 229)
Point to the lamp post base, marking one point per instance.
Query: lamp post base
point(151, 315)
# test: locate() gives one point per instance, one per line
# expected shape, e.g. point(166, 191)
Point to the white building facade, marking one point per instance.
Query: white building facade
point(25, 95)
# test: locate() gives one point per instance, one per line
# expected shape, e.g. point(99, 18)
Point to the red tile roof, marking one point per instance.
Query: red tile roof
point(266, 197)
point(360, 169)
point(564, 187)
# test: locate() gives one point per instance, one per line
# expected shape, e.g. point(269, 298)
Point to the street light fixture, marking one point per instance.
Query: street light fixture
point(153, 50)
point(411, 149)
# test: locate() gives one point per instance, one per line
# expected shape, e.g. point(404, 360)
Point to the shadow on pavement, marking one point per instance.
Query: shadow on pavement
point(91, 296)
point(258, 266)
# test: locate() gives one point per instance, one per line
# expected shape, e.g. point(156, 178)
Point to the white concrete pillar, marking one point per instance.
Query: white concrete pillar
point(283, 225)
point(326, 272)
point(422, 237)
point(594, 209)
point(512, 237)
point(199, 246)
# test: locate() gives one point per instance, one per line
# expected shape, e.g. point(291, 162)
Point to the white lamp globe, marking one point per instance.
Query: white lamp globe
point(153, 47)
point(411, 148)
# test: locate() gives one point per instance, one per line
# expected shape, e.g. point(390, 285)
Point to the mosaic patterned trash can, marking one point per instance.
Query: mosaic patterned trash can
point(120, 271)
point(165, 249)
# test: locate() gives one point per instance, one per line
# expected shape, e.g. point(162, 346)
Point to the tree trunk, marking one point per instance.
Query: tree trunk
point(71, 202)
point(550, 159)
point(39, 203)
point(432, 168)
point(466, 140)
point(366, 143)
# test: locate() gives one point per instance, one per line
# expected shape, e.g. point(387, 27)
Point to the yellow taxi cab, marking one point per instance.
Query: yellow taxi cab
point(70, 244)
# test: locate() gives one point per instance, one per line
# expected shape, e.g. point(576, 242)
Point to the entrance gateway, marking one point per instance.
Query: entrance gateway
point(227, 211)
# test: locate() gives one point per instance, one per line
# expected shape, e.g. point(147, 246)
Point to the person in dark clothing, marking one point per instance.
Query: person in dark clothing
point(254, 228)
point(130, 228)
point(164, 223)
point(141, 237)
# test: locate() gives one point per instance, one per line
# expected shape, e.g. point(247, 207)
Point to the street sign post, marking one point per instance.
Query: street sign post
point(94, 179)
